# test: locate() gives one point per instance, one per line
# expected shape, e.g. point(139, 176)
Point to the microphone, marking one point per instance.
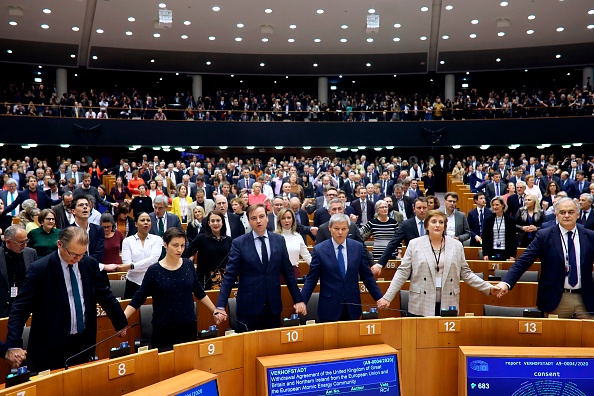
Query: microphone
point(100, 342)
point(236, 321)
point(406, 313)
point(574, 315)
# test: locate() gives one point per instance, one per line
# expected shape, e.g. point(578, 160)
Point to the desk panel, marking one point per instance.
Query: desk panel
point(443, 332)
point(555, 332)
point(49, 385)
point(350, 333)
point(227, 355)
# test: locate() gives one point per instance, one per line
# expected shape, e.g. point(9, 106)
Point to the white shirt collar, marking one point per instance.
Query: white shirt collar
point(336, 244)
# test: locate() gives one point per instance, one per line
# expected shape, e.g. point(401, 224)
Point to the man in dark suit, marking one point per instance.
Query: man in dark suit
point(364, 210)
point(586, 217)
point(10, 195)
point(74, 174)
point(567, 185)
point(246, 182)
point(258, 259)
point(476, 219)
point(303, 227)
point(350, 187)
point(402, 203)
point(387, 185)
point(19, 177)
point(581, 185)
point(519, 176)
point(81, 209)
point(149, 174)
point(15, 259)
point(495, 189)
point(52, 293)
point(161, 221)
point(235, 228)
point(62, 211)
point(565, 285)
point(546, 179)
point(516, 201)
point(339, 263)
point(33, 191)
point(409, 229)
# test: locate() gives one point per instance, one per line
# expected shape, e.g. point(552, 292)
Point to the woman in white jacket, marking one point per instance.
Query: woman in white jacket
point(286, 225)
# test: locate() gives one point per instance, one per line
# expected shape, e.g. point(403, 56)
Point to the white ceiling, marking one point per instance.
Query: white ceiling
point(112, 17)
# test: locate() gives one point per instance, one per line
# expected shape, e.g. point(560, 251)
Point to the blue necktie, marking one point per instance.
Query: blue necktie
point(573, 278)
point(341, 261)
point(264, 251)
point(80, 324)
point(421, 229)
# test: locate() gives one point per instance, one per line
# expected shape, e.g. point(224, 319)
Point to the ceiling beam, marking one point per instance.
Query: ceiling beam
point(434, 35)
point(87, 30)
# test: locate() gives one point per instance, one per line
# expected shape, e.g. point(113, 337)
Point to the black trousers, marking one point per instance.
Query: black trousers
point(165, 337)
point(265, 320)
point(131, 289)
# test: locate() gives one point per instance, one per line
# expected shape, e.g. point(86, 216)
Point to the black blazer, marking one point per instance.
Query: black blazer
point(408, 205)
point(511, 244)
point(43, 201)
point(172, 221)
point(44, 295)
point(356, 205)
point(237, 228)
point(513, 204)
point(405, 232)
point(29, 256)
point(324, 234)
point(474, 224)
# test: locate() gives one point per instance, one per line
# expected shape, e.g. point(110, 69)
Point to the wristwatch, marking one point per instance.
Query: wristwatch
point(131, 266)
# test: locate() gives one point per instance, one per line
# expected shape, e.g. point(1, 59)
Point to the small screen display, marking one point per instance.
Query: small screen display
point(207, 389)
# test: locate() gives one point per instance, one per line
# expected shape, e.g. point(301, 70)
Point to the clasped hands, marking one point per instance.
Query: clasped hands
point(220, 315)
point(15, 357)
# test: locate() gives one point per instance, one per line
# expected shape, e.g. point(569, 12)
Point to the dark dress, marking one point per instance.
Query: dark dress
point(118, 195)
point(141, 204)
point(112, 248)
point(429, 183)
point(212, 257)
point(174, 315)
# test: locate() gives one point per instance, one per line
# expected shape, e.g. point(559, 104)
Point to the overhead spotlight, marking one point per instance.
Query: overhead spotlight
point(456, 147)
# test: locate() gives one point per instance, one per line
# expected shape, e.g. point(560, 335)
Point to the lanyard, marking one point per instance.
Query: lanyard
point(498, 225)
point(566, 249)
point(438, 256)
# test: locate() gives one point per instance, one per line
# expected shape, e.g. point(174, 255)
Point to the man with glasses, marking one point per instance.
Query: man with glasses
point(457, 226)
point(322, 216)
point(62, 291)
point(81, 209)
point(34, 192)
point(15, 258)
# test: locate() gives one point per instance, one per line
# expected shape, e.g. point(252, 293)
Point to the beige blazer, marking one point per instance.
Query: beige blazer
point(419, 263)
point(209, 206)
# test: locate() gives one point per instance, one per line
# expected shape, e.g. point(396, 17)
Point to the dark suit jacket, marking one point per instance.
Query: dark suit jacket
point(589, 221)
point(390, 187)
point(60, 216)
point(513, 204)
point(511, 243)
point(258, 285)
point(237, 228)
point(44, 295)
point(405, 232)
point(350, 193)
point(44, 202)
point(408, 205)
point(547, 247)
point(172, 221)
point(29, 256)
point(474, 224)
point(490, 191)
point(585, 188)
point(356, 205)
point(22, 183)
point(324, 234)
point(334, 289)
point(321, 216)
point(544, 182)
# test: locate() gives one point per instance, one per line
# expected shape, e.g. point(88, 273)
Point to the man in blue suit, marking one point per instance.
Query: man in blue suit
point(246, 182)
point(338, 263)
point(33, 191)
point(565, 287)
point(258, 259)
point(476, 219)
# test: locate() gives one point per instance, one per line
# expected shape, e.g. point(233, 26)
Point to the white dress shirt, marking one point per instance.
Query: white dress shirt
point(344, 253)
point(66, 272)
point(296, 247)
point(133, 252)
point(258, 244)
point(577, 249)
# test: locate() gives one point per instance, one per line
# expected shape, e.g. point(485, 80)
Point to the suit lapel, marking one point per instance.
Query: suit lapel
point(351, 254)
point(446, 255)
point(429, 257)
point(586, 267)
point(332, 255)
point(3, 270)
point(556, 234)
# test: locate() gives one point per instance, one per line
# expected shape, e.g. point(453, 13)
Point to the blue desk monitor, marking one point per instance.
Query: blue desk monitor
point(525, 376)
point(209, 388)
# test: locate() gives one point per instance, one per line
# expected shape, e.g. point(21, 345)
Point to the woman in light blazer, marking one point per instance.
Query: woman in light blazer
point(436, 264)
point(180, 204)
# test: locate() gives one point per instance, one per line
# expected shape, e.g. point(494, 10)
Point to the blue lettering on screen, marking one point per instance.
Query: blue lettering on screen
point(366, 376)
point(529, 376)
point(207, 389)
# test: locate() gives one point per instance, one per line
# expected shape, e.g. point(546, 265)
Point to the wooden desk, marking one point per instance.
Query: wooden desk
point(175, 385)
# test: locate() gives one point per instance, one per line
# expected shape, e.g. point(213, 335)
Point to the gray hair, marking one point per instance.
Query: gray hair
point(11, 181)
point(520, 183)
point(200, 190)
point(563, 200)
point(338, 218)
point(76, 234)
point(378, 203)
point(589, 197)
point(11, 231)
point(161, 199)
point(336, 200)
point(29, 204)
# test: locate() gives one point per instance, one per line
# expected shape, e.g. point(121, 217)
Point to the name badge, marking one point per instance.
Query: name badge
point(14, 291)
point(498, 244)
point(438, 282)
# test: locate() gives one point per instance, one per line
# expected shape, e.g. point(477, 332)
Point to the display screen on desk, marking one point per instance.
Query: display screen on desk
point(207, 389)
point(366, 376)
point(504, 376)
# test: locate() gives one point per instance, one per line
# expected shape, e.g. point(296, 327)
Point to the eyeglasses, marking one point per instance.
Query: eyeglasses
point(50, 219)
point(73, 255)
point(82, 205)
point(23, 243)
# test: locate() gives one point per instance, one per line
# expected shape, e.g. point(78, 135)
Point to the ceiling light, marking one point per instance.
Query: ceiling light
point(292, 26)
point(100, 31)
point(389, 147)
point(152, 61)
point(268, 10)
point(208, 63)
point(72, 56)
point(467, 73)
point(472, 35)
point(423, 38)
point(485, 146)
point(211, 38)
point(526, 70)
point(41, 67)
point(503, 4)
point(317, 40)
point(566, 146)
point(424, 9)
point(474, 21)
point(591, 12)
point(177, 74)
point(75, 75)
point(397, 25)
point(157, 35)
point(558, 56)
point(291, 40)
point(47, 11)
point(531, 17)
point(162, 5)
point(343, 40)
point(442, 62)
point(344, 26)
point(240, 25)
point(445, 37)
point(12, 23)
point(128, 33)
point(315, 65)
point(250, 147)
point(568, 73)
point(577, 144)
point(95, 57)
point(45, 26)
point(529, 31)
point(306, 147)
point(216, 8)
point(590, 26)
point(340, 76)
point(353, 81)
point(75, 28)
point(278, 147)
point(264, 40)
point(286, 76)
point(371, 10)
point(9, 51)
point(262, 64)
point(184, 36)
point(501, 34)
point(238, 39)
point(320, 11)
point(498, 60)
point(333, 147)
point(456, 147)
point(560, 29)
point(396, 39)
point(449, 7)
point(368, 64)
point(369, 40)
